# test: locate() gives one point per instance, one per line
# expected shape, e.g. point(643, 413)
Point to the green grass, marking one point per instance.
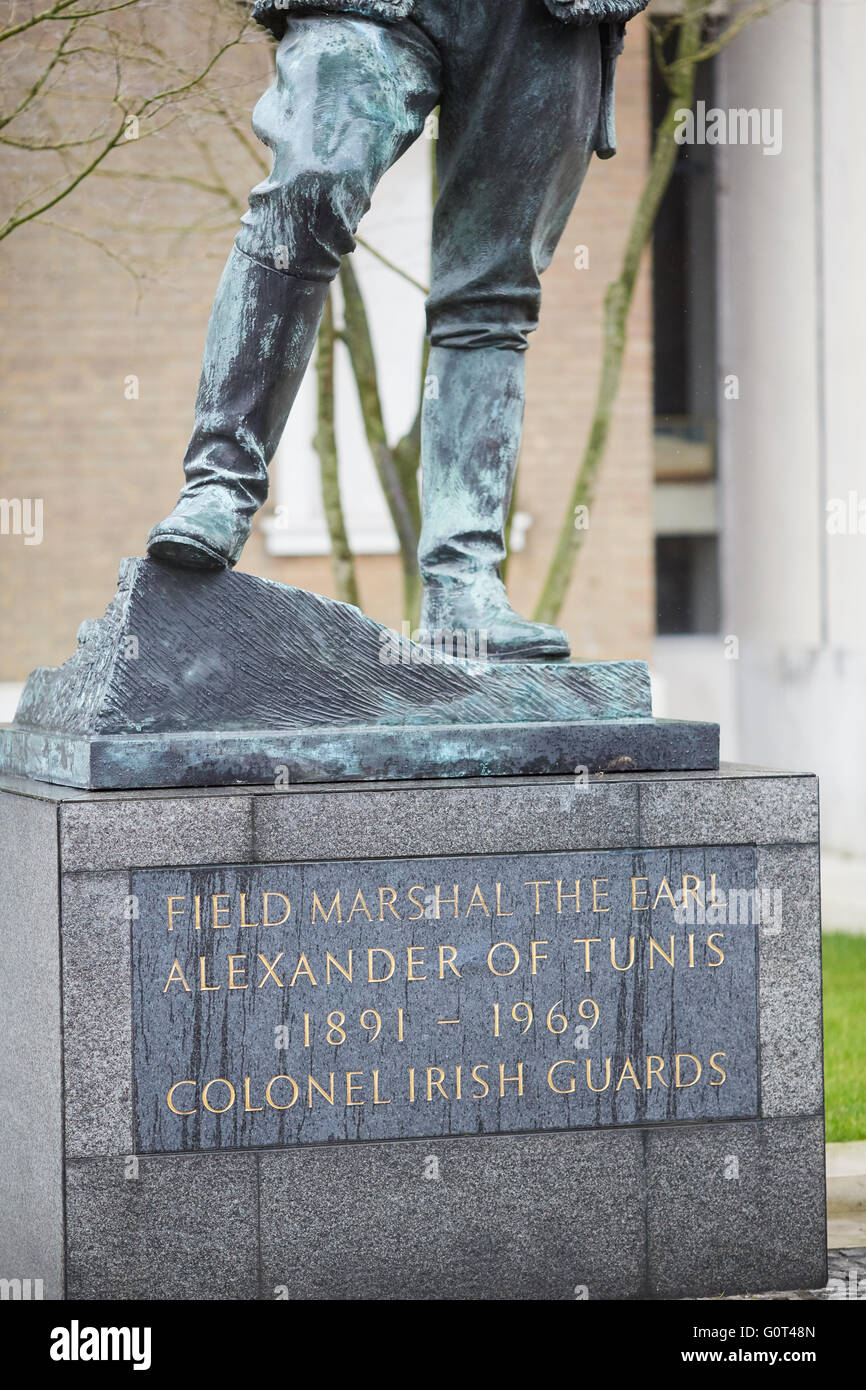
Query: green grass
point(845, 1036)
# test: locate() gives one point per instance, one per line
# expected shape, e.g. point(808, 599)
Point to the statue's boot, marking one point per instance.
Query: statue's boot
point(261, 333)
point(471, 430)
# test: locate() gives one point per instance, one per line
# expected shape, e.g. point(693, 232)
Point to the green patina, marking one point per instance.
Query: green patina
point(524, 101)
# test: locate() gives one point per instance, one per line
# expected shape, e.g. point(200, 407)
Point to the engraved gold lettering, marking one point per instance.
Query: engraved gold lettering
point(644, 892)
point(503, 1078)
point(236, 970)
point(411, 963)
point(586, 942)
point(535, 955)
point(376, 1097)
point(606, 1075)
point(714, 964)
point(630, 962)
point(317, 907)
point(512, 949)
point(438, 901)
point(201, 973)
point(379, 979)
point(656, 1072)
point(171, 1104)
point(537, 883)
point(216, 1109)
point(218, 910)
point(568, 1090)
point(331, 960)
point(691, 891)
point(691, 1058)
point(628, 1071)
point(499, 912)
point(248, 1105)
point(270, 969)
point(560, 895)
point(438, 1083)
point(477, 894)
point(303, 968)
point(176, 978)
point(389, 903)
point(359, 905)
point(328, 1095)
point(175, 911)
point(244, 922)
point(654, 946)
point(596, 895)
point(722, 1073)
point(449, 962)
point(270, 1099)
point(665, 891)
point(285, 917)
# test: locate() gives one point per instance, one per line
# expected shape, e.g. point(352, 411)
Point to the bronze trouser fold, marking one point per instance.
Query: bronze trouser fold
point(519, 98)
point(612, 39)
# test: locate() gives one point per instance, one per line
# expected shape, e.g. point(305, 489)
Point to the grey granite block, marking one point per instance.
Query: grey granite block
point(31, 1194)
point(531, 814)
point(97, 1025)
point(133, 833)
point(736, 1208)
point(543, 1217)
point(789, 946)
point(509, 1216)
point(731, 810)
point(181, 1229)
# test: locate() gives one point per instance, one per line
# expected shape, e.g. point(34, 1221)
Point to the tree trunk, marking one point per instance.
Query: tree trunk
point(394, 466)
point(325, 444)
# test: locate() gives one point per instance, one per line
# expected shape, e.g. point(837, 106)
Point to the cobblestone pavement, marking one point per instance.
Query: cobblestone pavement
point(846, 1280)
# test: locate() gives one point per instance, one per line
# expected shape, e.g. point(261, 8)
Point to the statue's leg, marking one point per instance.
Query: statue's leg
point(350, 95)
point(516, 134)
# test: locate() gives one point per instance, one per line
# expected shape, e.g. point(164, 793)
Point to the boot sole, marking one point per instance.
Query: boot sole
point(531, 654)
point(186, 553)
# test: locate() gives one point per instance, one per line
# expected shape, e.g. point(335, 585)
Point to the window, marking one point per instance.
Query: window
point(685, 383)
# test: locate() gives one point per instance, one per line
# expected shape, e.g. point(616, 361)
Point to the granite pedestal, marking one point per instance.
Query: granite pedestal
point(182, 1119)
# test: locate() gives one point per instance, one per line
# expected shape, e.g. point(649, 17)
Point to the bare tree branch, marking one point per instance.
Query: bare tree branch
point(404, 274)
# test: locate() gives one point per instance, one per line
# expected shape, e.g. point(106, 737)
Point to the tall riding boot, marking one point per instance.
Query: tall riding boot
point(470, 439)
point(261, 333)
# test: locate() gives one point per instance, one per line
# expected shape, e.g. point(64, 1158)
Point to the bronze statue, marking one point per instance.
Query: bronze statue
point(525, 89)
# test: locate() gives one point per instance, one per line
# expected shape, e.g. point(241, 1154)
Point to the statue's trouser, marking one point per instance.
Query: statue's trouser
point(519, 104)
